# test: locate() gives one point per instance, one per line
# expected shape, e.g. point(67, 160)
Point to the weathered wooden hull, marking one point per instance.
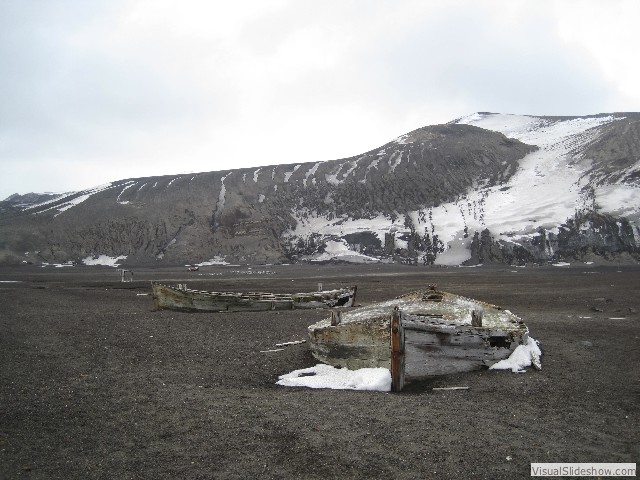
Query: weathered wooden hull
point(183, 299)
point(438, 336)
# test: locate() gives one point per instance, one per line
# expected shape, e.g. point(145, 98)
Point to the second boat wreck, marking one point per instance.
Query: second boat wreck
point(419, 335)
point(181, 298)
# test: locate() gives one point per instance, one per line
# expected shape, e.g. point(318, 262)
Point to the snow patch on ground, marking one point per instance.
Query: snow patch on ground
point(103, 260)
point(339, 250)
point(217, 260)
point(326, 376)
point(309, 222)
point(522, 357)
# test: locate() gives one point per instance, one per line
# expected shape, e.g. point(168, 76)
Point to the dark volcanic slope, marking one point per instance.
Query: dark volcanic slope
point(616, 151)
point(242, 214)
point(426, 167)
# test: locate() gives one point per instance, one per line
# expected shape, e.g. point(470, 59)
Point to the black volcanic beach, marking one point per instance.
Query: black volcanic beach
point(96, 384)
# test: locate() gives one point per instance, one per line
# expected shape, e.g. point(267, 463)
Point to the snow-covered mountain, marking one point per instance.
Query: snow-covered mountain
point(483, 188)
point(576, 196)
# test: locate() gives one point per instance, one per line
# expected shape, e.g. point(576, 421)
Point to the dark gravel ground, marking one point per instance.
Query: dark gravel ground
point(95, 384)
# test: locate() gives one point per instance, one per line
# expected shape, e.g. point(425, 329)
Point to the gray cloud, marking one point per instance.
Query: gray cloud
point(99, 91)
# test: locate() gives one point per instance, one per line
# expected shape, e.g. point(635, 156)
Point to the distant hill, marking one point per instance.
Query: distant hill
point(487, 188)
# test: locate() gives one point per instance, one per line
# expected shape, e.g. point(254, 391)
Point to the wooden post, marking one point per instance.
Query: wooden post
point(156, 305)
point(476, 316)
point(397, 352)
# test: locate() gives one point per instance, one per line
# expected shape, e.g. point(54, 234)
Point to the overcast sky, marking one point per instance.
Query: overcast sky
point(102, 90)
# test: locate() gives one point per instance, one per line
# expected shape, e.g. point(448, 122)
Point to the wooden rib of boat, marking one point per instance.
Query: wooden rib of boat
point(425, 334)
point(184, 299)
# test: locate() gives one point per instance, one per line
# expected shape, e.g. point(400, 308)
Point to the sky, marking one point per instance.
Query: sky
point(95, 91)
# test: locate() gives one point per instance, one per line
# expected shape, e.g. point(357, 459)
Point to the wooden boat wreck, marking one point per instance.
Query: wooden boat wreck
point(184, 299)
point(419, 335)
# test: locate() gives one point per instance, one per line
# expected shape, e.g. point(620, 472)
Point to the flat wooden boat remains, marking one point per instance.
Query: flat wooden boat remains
point(184, 299)
point(419, 335)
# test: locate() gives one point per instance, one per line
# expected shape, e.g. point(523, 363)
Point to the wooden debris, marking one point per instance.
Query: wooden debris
point(286, 344)
point(397, 352)
point(476, 316)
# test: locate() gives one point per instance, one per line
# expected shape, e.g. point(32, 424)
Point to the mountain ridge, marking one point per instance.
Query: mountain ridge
point(483, 188)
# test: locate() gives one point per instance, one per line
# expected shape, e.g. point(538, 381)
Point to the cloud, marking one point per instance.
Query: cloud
point(108, 90)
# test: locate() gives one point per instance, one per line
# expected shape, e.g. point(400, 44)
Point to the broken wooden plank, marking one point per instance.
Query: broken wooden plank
point(450, 388)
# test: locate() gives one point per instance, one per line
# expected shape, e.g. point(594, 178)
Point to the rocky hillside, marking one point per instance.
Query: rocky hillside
point(485, 188)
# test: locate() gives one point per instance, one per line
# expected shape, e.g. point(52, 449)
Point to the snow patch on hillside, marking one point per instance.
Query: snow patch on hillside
point(309, 222)
point(287, 175)
point(336, 177)
point(394, 160)
point(73, 199)
point(340, 251)
point(221, 200)
point(128, 185)
point(309, 173)
point(373, 164)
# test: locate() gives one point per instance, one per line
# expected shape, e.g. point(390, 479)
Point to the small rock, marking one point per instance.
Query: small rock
point(586, 343)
